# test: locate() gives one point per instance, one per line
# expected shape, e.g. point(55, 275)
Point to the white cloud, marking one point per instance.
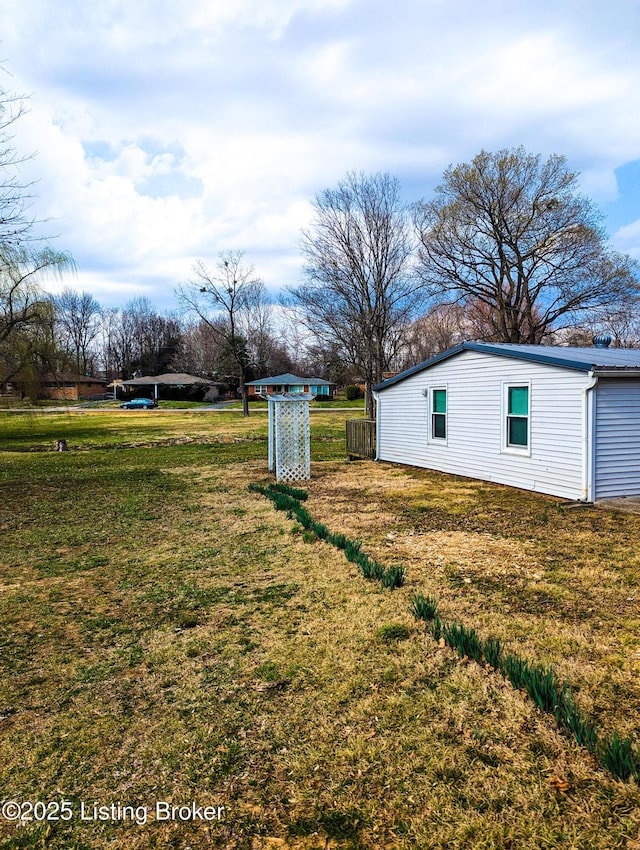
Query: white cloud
point(627, 239)
point(169, 131)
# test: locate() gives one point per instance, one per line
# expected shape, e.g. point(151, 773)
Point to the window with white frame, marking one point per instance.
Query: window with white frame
point(438, 400)
point(517, 416)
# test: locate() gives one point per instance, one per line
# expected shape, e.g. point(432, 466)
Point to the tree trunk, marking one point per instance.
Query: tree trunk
point(371, 403)
point(245, 399)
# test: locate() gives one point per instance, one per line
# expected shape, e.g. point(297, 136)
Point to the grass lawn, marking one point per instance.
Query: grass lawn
point(167, 637)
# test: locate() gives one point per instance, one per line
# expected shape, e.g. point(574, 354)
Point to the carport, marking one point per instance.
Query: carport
point(171, 379)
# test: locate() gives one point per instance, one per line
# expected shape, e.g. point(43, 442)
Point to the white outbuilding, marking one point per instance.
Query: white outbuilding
point(561, 420)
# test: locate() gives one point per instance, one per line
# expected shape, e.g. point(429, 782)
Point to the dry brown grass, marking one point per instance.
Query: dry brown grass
point(556, 584)
point(229, 662)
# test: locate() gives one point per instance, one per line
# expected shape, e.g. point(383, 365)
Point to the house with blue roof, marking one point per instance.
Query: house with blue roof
point(561, 420)
point(288, 383)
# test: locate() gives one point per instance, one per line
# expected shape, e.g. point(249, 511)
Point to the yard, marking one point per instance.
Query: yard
point(168, 639)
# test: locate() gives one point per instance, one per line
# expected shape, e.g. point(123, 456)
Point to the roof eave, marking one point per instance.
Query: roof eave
point(451, 352)
point(548, 359)
point(488, 348)
point(616, 372)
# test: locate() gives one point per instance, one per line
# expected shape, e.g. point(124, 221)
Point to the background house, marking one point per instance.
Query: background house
point(175, 385)
point(558, 420)
point(70, 387)
point(288, 383)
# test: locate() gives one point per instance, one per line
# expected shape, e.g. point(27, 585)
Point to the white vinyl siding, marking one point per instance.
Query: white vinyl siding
point(617, 444)
point(474, 447)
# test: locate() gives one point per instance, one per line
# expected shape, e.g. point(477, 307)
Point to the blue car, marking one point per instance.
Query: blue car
point(139, 404)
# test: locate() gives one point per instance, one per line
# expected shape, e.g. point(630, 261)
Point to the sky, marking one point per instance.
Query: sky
point(167, 131)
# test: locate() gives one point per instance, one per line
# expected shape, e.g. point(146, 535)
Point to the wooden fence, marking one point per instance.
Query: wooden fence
point(361, 438)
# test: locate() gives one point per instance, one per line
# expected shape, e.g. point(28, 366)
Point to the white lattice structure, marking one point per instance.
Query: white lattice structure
point(289, 436)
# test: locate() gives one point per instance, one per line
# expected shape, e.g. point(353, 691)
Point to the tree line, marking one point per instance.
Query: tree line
point(507, 249)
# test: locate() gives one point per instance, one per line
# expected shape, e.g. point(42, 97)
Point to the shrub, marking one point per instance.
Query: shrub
point(321, 530)
point(304, 517)
point(294, 492)
point(423, 607)
point(337, 540)
point(616, 754)
point(542, 687)
point(435, 627)
point(540, 683)
point(370, 569)
point(288, 499)
point(493, 653)
point(352, 392)
point(515, 669)
point(464, 640)
point(393, 577)
point(570, 717)
point(283, 502)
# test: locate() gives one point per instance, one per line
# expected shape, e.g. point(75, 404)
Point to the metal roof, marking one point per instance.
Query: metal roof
point(69, 377)
point(286, 380)
point(622, 361)
point(168, 379)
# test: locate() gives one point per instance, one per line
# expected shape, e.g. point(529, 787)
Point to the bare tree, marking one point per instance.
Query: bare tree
point(144, 340)
point(78, 321)
point(25, 258)
point(16, 224)
point(512, 233)
point(233, 293)
point(621, 322)
point(360, 290)
point(443, 326)
point(204, 353)
point(156, 337)
point(107, 342)
point(200, 350)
